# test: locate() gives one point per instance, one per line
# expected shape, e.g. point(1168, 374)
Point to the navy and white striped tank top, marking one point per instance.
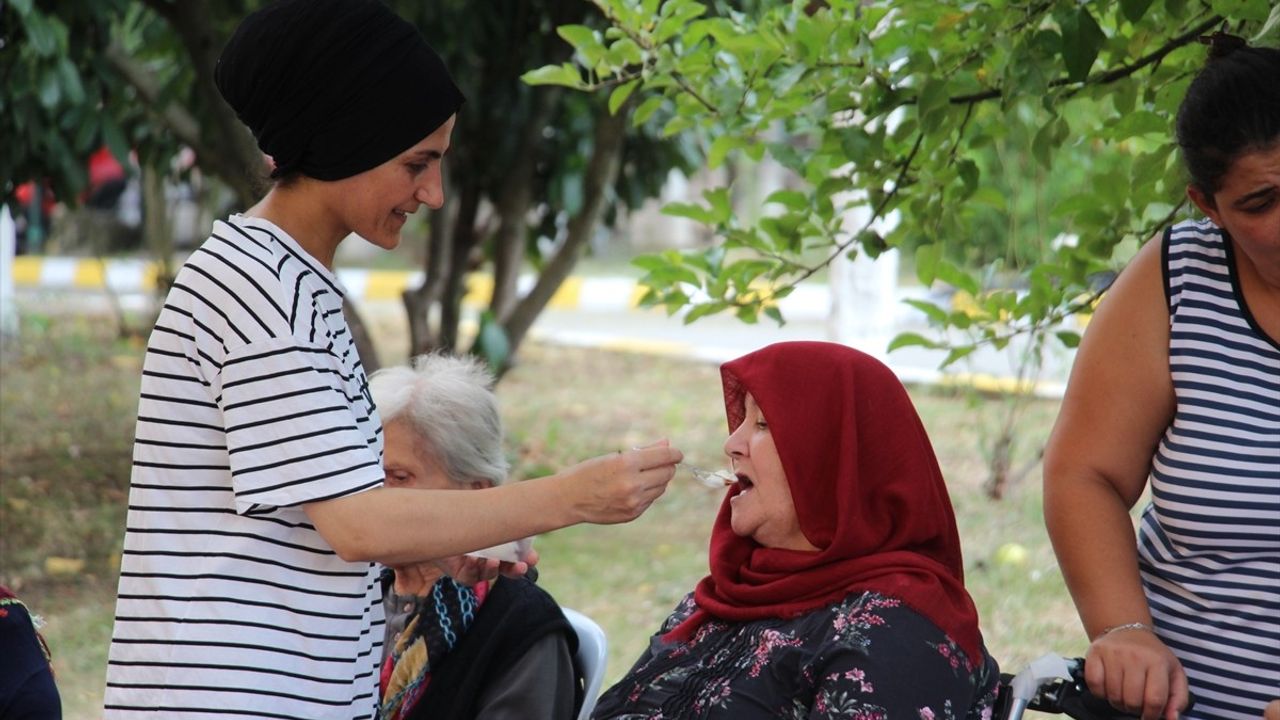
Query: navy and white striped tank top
point(1209, 542)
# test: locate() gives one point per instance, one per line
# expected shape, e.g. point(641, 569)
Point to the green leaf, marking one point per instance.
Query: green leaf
point(927, 257)
point(673, 300)
point(1134, 9)
point(584, 40)
point(749, 314)
point(492, 343)
point(646, 109)
point(577, 35)
point(86, 133)
point(620, 95)
point(910, 339)
point(720, 148)
point(565, 74)
point(1068, 338)
point(1242, 9)
point(625, 52)
point(858, 144)
point(720, 204)
point(691, 211)
point(681, 12)
point(703, 309)
point(1046, 140)
point(775, 314)
point(650, 262)
point(1141, 122)
point(932, 103)
point(42, 33)
point(1074, 203)
point(953, 275)
point(673, 275)
point(935, 314)
point(969, 175)
point(677, 124)
point(1081, 41)
point(70, 78)
point(1269, 35)
point(790, 199)
point(958, 353)
point(50, 88)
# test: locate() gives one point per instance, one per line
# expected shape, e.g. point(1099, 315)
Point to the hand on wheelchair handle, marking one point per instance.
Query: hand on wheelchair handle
point(1094, 707)
point(1073, 699)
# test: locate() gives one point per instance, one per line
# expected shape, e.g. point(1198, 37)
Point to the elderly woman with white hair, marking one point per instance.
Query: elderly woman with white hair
point(498, 649)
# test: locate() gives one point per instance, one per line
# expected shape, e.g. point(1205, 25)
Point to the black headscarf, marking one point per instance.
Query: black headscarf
point(331, 88)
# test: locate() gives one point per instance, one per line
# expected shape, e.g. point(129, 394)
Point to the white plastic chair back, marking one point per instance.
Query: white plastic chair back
point(593, 652)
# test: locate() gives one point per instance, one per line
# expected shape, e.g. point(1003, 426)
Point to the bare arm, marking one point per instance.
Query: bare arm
point(1118, 403)
point(399, 526)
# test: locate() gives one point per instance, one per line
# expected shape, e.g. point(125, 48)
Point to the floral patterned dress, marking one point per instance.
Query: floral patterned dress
point(868, 657)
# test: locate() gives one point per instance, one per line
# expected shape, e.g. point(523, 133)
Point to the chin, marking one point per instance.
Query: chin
point(386, 241)
point(740, 531)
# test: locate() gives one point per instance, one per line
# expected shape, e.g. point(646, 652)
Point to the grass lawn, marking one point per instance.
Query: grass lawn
point(67, 403)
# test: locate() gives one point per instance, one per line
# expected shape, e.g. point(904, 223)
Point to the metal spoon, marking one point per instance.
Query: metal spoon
point(710, 478)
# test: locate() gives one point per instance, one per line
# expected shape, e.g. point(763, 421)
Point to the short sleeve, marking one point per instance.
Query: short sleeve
point(299, 427)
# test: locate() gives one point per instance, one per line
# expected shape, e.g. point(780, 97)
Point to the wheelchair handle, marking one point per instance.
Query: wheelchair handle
point(1054, 684)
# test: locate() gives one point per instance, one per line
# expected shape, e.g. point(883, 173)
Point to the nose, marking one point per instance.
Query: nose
point(431, 191)
point(735, 445)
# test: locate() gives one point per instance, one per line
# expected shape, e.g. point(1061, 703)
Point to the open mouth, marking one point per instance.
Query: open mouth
point(744, 482)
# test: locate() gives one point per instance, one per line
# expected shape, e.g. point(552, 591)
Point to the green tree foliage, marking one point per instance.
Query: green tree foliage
point(133, 76)
point(534, 170)
point(973, 123)
point(526, 163)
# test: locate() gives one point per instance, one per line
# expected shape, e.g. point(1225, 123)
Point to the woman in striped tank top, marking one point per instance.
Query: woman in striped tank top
point(1178, 381)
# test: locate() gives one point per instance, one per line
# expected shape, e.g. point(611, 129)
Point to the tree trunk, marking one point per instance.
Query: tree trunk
point(237, 159)
point(360, 336)
point(463, 242)
point(419, 301)
point(602, 170)
point(513, 205)
point(156, 232)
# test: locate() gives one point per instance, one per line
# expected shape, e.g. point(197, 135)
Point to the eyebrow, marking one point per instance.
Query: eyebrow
point(1255, 195)
point(427, 155)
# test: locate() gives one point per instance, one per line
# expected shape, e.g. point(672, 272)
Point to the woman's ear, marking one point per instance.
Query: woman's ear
point(1205, 203)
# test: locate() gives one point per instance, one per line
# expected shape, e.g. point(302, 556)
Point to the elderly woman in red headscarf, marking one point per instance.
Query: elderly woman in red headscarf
point(836, 585)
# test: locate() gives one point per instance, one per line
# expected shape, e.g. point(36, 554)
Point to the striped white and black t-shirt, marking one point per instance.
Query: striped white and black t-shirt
point(253, 403)
point(1209, 543)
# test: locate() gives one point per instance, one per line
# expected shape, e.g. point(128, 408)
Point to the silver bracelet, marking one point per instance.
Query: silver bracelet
point(1126, 626)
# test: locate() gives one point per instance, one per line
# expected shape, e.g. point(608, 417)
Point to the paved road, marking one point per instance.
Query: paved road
point(615, 325)
point(716, 339)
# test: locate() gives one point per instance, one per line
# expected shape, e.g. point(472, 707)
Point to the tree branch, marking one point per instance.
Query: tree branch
point(875, 215)
point(1109, 76)
point(181, 123)
point(237, 159)
point(601, 173)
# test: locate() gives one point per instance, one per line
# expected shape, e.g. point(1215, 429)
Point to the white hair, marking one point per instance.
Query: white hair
point(449, 403)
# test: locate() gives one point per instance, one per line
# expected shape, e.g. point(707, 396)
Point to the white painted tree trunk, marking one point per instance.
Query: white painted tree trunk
point(864, 301)
point(8, 246)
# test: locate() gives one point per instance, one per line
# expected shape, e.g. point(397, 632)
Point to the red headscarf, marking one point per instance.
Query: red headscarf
point(867, 490)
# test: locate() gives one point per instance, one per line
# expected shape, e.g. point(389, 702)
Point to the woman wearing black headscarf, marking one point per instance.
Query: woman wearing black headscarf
point(256, 510)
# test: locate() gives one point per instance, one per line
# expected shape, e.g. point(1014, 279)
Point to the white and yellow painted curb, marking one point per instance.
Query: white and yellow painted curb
point(594, 294)
point(603, 295)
